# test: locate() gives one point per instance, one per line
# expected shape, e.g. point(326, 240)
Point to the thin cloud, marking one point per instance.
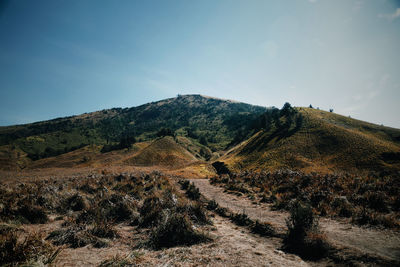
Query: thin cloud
point(391, 16)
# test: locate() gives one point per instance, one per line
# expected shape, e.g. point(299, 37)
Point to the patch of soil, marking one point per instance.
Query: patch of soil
point(383, 244)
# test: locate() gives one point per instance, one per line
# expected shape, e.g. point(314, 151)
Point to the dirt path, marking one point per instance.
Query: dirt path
point(231, 246)
point(381, 243)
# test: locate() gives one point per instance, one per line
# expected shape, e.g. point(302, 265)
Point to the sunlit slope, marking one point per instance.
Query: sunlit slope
point(213, 122)
point(162, 152)
point(325, 142)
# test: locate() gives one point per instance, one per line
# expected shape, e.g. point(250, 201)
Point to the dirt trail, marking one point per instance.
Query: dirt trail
point(382, 243)
point(232, 246)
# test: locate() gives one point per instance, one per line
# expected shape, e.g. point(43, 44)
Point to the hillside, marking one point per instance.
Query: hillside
point(243, 136)
point(163, 152)
point(213, 122)
point(316, 140)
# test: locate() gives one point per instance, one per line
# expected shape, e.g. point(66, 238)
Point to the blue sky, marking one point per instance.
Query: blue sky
point(60, 58)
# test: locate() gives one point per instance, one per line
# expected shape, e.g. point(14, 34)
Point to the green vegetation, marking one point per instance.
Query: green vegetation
point(212, 122)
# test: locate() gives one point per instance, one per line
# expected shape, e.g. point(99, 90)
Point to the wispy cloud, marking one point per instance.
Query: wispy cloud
point(391, 16)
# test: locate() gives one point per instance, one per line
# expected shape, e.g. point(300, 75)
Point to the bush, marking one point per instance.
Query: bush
point(150, 212)
point(104, 229)
point(263, 229)
point(70, 236)
point(33, 214)
point(174, 230)
point(343, 207)
point(303, 237)
point(241, 219)
point(75, 236)
point(221, 211)
point(13, 251)
point(212, 205)
point(184, 184)
point(193, 192)
point(75, 203)
point(197, 213)
point(120, 212)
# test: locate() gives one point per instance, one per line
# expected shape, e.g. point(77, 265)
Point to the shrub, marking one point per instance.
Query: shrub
point(343, 207)
point(184, 184)
point(221, 211)
point(104, 229)
point(113, 208)
point(212, 205)
point(376, 201)
point(193, 192)
point(14, 251)
point(150, 212)
point(74, 236)
point(120, 212)
point(197, 213)
point(174, 230)
point(241, 219)
point(263, 229)
point(75, 203)
point(34, 214)
point(300, 221)
point(303, 237)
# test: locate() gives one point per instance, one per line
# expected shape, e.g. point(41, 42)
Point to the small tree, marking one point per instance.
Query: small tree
point(310, 106)
point(331, 110)
point(203, 140)
point(165, 132)
point(286, 109)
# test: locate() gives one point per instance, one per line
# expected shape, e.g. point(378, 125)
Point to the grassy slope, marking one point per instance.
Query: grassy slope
point(162, 152)
point(326, 142)
point(218, 121)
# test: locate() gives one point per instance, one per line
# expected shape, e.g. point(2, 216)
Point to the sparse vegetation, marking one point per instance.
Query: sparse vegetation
point(91, 207)
point(319, 164)
point(175, 229)
point(303, 236)
point(192, 192)
point(366, 200)
point(263, 229)
point(32, 248)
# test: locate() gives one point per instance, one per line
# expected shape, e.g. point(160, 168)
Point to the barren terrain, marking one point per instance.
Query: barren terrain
point(386, 243)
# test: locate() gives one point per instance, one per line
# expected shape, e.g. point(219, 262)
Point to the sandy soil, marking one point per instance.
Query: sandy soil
point(383, 244)
point(232, 246)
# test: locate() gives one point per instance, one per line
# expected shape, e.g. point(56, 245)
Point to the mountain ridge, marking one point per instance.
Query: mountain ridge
point(243, 136)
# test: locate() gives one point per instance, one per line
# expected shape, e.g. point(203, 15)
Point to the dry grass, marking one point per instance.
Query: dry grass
point(16, 249)
point(372, 200)
point(92, 209)
point(162, 152)
point(325, 143)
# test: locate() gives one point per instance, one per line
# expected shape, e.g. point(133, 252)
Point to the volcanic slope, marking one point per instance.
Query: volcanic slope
point(320, 141)
point(210, 121)
point(164, 152)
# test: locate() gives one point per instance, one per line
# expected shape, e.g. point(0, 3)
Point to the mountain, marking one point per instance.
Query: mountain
point(313, 140)
point(215, 123)
point(193, 131)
